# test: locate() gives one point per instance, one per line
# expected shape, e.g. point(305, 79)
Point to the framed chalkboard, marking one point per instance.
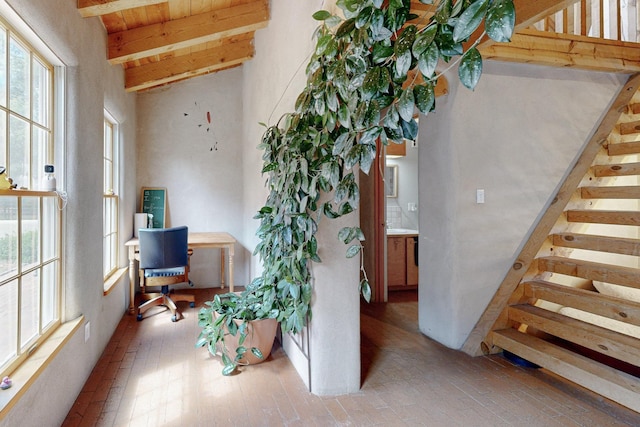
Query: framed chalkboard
point(154, 201)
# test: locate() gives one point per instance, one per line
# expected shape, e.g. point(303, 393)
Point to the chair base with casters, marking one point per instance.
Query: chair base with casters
point(164, 261)
point(164, 297)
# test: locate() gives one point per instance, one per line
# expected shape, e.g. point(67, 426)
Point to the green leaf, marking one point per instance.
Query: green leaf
point(424, 40)
point(342, 144)
point(353, 250)
point(322, 44)
point(470, 20)
point(367, 156)
point(321, 15)
point(346, 28)
point(228, 369)
point(364, 17)
point(470, 68)
point(391, 119)
point(425, 97)
point(443, 12)
point(406, 104)
point(381, 53)
point(372, 114)
point(428, 61)
point(403, 63)
point(446, 44)
point(370, 83)
point(329, 212)
point(344, 116)
point(409, 129)
point(405, 41)
point(257, 353)
point(365, 290)
point(344, 234)
point(500, 20)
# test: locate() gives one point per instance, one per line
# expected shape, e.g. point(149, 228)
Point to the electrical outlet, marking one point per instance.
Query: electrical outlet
point(414, 144)
point(480, 195)
point(87, 331)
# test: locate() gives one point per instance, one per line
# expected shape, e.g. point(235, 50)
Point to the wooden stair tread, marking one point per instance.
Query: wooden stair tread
point(629, 128)
point(617, 245)
point(634, 108)
point(604, 380)
point(606, 341)
point(582, 299)
point(618, 169)
point(616, 274)
point(622, 148)
point(603, 216)
point(611, 192)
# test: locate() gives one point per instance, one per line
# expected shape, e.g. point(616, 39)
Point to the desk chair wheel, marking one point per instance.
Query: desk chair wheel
point(174, 318)
point(192, 304)
point(139, 317)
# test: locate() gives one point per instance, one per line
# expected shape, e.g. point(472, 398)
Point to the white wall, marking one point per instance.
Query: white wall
point(199, 162)
point(91, 85)
point(272, 81)
point(514, 137)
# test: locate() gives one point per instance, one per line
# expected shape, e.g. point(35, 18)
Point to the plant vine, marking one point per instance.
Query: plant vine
point(356, 94)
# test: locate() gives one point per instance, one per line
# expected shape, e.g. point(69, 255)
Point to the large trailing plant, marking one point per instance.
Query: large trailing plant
point(357, 93)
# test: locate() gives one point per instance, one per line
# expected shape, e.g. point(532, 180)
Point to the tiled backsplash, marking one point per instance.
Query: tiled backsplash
point(394, 217)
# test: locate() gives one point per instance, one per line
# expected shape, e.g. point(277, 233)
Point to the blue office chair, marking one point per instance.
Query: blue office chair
point(164, 261)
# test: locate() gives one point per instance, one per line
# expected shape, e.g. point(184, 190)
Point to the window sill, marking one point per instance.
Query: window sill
point(111, 282)
point(26, 374)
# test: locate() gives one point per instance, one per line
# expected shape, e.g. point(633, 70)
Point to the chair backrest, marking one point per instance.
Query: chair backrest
point(163, 247)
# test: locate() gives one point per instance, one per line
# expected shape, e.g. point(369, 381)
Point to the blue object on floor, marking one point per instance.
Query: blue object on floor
point(518, 361)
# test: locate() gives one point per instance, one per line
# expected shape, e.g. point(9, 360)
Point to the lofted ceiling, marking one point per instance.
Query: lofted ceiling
point(163, 41)
point(158, 42)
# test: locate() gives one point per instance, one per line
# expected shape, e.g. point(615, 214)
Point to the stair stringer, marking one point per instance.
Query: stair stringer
point(495, 315)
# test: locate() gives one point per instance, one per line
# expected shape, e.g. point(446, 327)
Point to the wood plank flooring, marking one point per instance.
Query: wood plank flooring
point(152, 375)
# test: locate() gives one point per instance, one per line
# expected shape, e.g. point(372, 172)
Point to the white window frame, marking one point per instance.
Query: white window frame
point(111, 199)
point(31, 292)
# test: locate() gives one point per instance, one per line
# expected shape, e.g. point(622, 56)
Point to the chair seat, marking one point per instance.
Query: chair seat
point(164, 272)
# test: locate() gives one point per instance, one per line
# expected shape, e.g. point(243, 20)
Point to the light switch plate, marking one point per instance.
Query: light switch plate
point(480, 195)
point(87, 331)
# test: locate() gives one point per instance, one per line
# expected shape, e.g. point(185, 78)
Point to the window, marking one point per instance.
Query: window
point(110, 199)
point(30, 220)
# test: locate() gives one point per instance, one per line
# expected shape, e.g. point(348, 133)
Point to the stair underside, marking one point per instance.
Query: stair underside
point(604, 380)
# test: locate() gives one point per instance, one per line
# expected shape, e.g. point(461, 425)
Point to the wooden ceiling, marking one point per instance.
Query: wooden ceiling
point(162, 41)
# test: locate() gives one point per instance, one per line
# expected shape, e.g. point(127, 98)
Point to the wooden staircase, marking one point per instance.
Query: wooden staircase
point(568, 303)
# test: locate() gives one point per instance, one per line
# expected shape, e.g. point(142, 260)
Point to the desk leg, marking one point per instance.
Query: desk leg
point(231, 268)
point(222, 268)
point(132, 280)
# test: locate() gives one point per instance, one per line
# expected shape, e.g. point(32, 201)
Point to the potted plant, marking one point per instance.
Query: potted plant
point(358, 93)
point(237, 327)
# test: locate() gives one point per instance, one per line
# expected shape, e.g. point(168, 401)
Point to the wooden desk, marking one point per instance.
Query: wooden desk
point(196, 240)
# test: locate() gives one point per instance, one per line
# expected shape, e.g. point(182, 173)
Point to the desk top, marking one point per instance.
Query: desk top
point(202, 239)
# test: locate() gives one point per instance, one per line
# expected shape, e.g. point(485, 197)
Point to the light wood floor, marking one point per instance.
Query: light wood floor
point(152, 375)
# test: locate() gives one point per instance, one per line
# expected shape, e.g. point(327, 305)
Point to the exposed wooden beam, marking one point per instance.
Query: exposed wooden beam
point(180, 67)
point(88, 8)
point(565, 50)
point(165, 37)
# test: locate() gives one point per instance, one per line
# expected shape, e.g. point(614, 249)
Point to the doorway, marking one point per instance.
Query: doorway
point(389, 218)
